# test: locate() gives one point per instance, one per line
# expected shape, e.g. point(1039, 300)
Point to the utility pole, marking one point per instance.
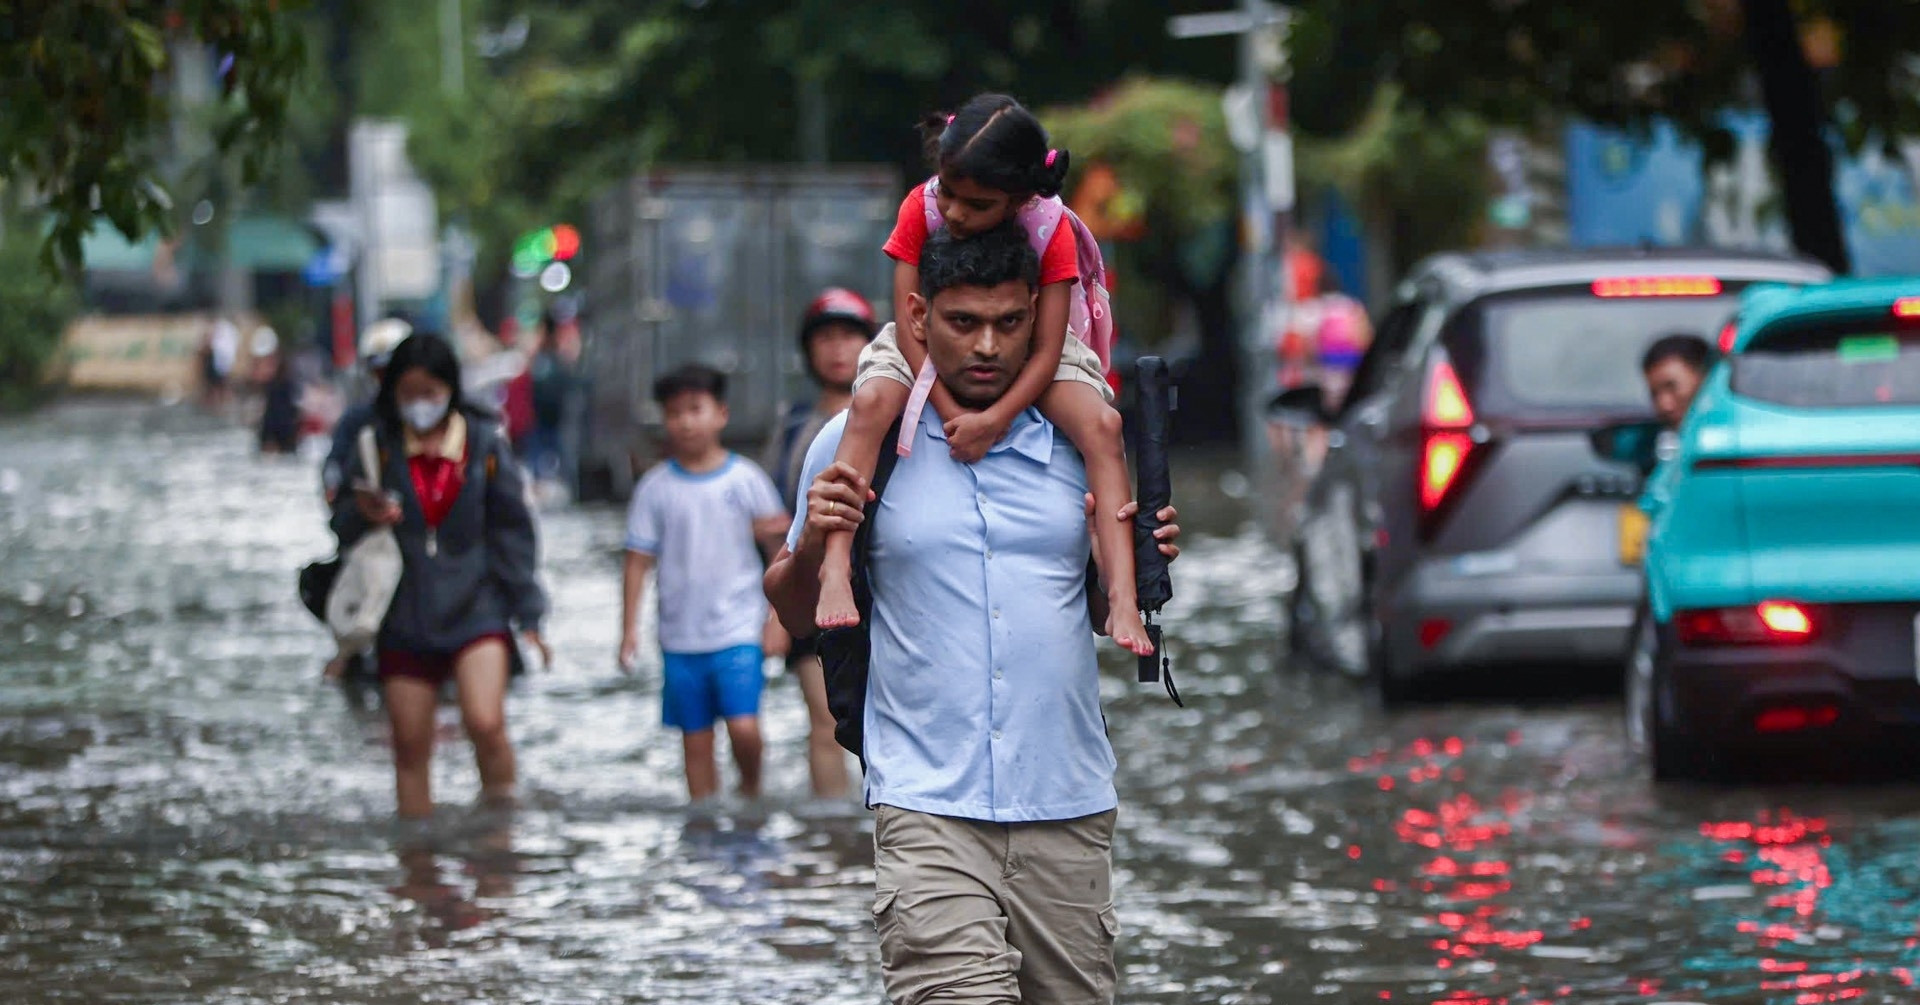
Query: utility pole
point(1257, 118)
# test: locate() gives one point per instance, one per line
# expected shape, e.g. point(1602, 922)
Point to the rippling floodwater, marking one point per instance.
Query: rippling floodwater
point(187, 815)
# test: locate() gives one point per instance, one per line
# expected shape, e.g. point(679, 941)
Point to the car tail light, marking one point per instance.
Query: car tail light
point(1446, 445)
point(1773, 622)
point(1727, 336)
point(1434, 631)
point(1793, 718)
point(1907, 307)
point(1657, 286)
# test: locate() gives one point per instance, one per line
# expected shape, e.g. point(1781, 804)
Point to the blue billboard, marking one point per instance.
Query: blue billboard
point(1657, 189)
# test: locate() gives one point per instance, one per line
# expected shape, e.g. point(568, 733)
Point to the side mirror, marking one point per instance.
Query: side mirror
point(1637, 443)
point(1304, 404)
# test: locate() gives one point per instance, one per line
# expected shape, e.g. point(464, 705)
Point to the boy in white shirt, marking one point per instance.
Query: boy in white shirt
point(697, 518)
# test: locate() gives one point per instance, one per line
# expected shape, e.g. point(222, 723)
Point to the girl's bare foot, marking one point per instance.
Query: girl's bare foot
point(836, 608)
point(1126, 628)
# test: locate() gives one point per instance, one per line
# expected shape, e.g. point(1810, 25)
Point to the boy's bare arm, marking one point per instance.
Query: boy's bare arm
point(770, 533)
point(633, 585)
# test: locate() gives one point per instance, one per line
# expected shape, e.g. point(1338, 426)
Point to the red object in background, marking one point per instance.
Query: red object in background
point(518, 406)
point(566, 242)
point(345, 347)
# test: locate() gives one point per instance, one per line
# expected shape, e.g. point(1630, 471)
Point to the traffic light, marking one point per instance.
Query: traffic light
point(536, 249)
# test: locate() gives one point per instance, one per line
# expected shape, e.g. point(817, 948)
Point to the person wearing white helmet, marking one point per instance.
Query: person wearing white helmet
point(377, 343)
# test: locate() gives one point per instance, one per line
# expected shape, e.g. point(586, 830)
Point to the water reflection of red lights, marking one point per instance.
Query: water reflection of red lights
point(1465, 877)
point(1788, 852)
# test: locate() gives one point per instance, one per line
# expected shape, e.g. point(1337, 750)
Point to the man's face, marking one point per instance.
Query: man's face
point(694, 421)
point(1672, 383)
point(977, 337)
point(833, 350)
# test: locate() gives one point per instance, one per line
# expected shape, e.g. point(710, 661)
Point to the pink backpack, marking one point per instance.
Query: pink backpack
point(1090, 310)
point(1090, 316)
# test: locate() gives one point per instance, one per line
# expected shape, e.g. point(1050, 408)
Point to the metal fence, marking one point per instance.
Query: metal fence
point(715, 266)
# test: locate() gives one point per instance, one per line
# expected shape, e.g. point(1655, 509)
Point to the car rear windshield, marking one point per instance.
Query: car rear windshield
point(1857, 364)
point(1570, 350)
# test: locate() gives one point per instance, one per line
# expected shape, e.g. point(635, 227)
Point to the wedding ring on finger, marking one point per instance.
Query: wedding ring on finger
point(833, 506)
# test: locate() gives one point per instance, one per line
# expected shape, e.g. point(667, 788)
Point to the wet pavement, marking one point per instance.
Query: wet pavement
point(188, 815)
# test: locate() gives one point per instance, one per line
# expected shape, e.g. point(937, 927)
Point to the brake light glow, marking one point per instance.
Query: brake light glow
point(1727, 336)
point(1446, 455)
point(1657, 286)
point(1786, 619)
point(1447, 406)
point(1793, 718)
point(1907, 307)
point(1773, 622)
point(1446, 416)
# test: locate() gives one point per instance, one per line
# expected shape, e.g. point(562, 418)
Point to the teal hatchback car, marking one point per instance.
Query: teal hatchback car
point(1782, 556)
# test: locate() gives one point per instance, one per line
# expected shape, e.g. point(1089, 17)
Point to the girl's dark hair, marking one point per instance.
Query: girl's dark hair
point(419, 351)
point(995, 142)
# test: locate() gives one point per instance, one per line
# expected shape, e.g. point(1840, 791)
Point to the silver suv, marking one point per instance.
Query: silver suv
point(1464, 516)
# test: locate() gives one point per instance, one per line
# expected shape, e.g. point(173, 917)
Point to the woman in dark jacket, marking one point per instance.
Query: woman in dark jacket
point(458, 506)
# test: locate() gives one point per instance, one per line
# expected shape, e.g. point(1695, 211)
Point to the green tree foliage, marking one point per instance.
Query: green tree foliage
point(601, 88)
point(1627, 62)
point(1419, 177)
point(34, 311)
point(1166, 144)
point(87, 99)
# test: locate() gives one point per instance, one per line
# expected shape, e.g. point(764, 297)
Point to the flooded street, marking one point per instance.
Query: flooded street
point(188, 815)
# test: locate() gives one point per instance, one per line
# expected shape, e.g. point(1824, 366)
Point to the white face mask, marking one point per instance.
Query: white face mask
point(424, 414)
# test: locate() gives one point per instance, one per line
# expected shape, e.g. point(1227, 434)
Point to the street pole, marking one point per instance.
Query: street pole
point(1257, 117)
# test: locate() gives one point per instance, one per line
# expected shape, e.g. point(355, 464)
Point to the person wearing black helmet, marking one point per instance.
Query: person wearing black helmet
point(836, 326)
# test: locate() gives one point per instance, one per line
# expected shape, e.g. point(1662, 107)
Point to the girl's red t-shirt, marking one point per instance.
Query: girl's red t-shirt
point(1059, 264)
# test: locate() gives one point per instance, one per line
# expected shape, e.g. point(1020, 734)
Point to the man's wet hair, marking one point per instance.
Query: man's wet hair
point(1689, 349)
point(1000, 255)
point(694, 377)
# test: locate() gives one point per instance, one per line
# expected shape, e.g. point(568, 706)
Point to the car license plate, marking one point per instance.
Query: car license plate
point(1633, 535)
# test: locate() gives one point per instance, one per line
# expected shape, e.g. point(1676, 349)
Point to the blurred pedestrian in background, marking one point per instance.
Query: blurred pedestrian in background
point(460, 512)
point(553, 380)
point(377, 344)
point(837, 325)
point(704, 519)
point(280, 402)
point(219, 353)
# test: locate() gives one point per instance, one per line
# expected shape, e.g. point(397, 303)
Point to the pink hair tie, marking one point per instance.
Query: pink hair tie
point(949, 120)
point(1051, 154)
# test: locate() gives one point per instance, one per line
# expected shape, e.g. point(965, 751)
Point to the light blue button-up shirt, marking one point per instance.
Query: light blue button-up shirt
point(983, 700)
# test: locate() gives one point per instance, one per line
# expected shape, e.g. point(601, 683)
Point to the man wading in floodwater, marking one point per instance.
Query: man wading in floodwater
point(987, 758)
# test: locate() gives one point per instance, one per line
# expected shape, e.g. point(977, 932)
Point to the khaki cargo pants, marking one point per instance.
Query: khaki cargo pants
point(979, 913)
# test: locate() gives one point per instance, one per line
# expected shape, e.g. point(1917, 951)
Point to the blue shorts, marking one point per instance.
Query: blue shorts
point(702, 687)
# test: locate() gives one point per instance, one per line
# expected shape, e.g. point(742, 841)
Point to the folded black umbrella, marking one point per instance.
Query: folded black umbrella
point(1153, 405)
